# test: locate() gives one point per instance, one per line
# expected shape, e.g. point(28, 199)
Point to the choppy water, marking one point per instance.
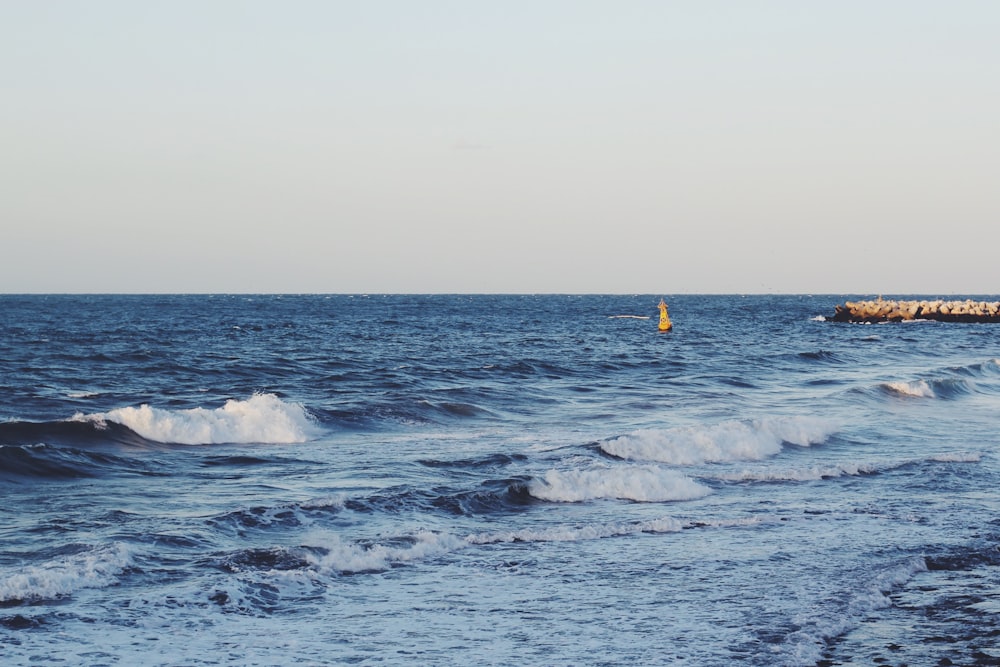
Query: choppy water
point(495, 480)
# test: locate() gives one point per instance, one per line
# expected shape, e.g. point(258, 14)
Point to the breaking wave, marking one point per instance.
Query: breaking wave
point(948, 383)
point(648, 484)
point(840, 469)
point(92, 567)
point(727, 441)
point(263, 418)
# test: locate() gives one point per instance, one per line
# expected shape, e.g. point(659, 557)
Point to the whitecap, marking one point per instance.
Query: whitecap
point(801, 474)
point(916, 388)
point(263, 418)
point(338, 556)
point(638, 483)
point(958, 457)
point(95, 567)
point(727, 441)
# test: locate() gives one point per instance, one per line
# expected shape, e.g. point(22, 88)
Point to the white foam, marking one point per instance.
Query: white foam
point(335, 501)
point(958, 457)
point(347, 557)
point(917, 388)
point(839, 469)
point(800, 474)
point(94, 568)
point(263, 418)
point(727, 441)
point(743, 522)
point(344, 557)
point(638, 483)
point(804, 647)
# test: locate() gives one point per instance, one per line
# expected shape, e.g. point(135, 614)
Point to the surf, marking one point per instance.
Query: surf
point(261, 419)
point(727, 441)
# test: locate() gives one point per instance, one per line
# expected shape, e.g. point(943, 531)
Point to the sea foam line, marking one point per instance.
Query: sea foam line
point(345, 557)
point(805, 646)
point(328, 553)
point(840, 469)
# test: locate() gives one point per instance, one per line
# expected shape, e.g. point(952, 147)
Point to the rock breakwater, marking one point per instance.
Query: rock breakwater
point(881, 310)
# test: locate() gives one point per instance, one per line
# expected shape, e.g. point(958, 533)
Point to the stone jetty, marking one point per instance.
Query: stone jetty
point(882, 310)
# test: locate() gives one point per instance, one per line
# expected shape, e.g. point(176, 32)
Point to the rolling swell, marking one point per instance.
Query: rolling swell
point(69, 450)
point(404, 409)
point(76, 432)
point(941, 388)
point(492, 460)
point(491, 496)
point(48, 462)
point(946, 384)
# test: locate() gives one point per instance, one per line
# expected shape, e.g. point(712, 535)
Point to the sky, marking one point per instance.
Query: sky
point(523, 146)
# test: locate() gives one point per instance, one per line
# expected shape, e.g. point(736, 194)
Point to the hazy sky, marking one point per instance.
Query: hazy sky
point(580, 146)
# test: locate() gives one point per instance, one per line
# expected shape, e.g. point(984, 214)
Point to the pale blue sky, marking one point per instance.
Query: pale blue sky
point(543, 146)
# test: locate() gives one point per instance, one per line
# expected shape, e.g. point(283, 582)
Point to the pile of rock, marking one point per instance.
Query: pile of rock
point(881, 310)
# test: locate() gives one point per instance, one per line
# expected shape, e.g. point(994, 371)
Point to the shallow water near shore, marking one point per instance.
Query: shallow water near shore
point(454, 480)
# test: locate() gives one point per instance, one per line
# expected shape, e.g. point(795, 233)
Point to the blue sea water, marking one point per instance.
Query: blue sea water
point(494, 480)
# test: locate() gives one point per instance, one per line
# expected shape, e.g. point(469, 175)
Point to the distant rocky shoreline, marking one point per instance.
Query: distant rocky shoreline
point(881, 310)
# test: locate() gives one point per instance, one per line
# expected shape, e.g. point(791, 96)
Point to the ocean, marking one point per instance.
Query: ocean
point(494, 480)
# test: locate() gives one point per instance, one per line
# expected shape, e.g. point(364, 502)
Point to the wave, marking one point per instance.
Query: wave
point(331, 554)
point(324, 553)
point(967, 558)
point(492, 460)
point(394, 411)
point(282, 515)
point(724, 442)
point(950, 383)
point(648, 484)
point(844, 611)
point(916, 388)
point(77, 447)
point(91, 567)
point(579, 533)
point(48, 462)
point(820, 356)
point(988, 368)
point(490, 496)
point(945, 388)
point(455, 409)
point(840, 469)
point(262, 419)
point(74, 433)
point(957, 457)
point(802, 474)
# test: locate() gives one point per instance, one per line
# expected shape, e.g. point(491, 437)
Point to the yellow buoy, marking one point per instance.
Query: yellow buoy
point(665, 324)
